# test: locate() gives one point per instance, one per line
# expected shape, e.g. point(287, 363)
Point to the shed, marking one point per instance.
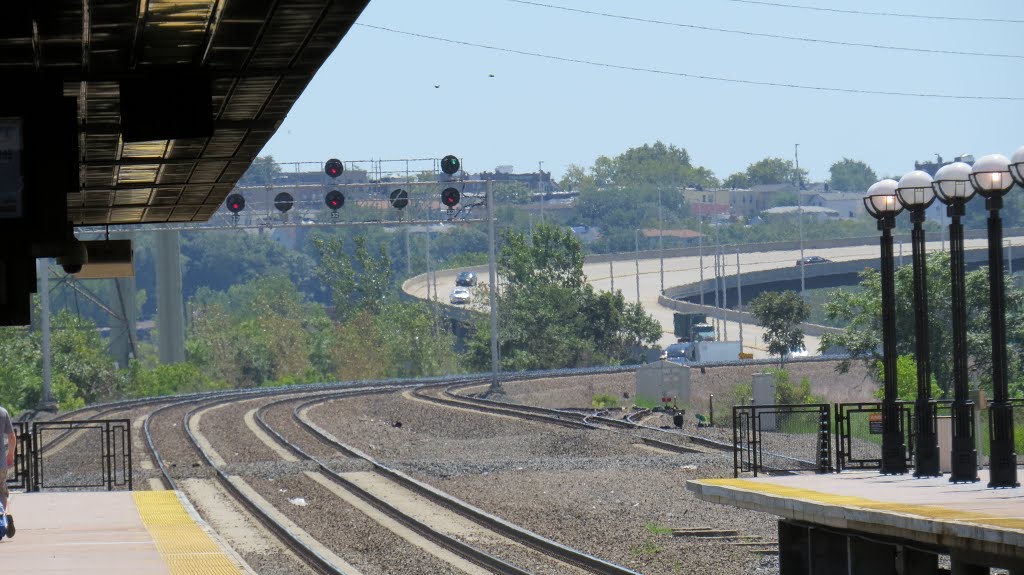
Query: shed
point(663, 382)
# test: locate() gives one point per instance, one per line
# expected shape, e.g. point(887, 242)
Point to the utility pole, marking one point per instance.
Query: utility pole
point(492, 274)
point(700, 257)
point(611, 271)
point(540, 189)
point(800, 218)
point(739, 294)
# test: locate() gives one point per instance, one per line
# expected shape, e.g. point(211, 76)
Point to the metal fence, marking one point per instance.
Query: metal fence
point(781, 438)
point(81, 455)
point(859, 431)
point(18, 476)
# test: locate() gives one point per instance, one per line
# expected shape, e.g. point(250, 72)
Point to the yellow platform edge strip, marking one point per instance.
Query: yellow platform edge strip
point(927, 511)
point(183, 545)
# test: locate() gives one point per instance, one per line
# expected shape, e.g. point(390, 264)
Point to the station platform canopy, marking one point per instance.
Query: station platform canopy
point(174, 98)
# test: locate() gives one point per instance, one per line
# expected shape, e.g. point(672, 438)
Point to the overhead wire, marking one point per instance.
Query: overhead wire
point(694, 76)
point(767, 35)
point(887, 14)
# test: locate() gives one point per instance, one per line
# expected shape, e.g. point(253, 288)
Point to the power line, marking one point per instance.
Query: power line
point(693, 76)
point(892, 14)
point(766, 35)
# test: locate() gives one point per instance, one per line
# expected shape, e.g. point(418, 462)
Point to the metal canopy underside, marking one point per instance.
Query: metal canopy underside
point(260, 53)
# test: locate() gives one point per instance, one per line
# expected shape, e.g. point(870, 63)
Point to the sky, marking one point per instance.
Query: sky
point(375, 97)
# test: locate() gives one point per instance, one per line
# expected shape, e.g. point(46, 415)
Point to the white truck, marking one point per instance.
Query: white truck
point(705, 351)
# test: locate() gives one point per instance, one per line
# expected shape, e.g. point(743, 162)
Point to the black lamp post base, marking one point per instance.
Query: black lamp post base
point(1002, 461)
point(965, 461)
point(894, 454)
point(927, 457)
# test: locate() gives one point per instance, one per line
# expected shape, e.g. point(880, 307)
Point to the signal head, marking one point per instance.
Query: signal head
point(450, 164)
point(399, 198)
point(334, 200)
point(334, 168)
point(235, 203)
point(450, 197)
point(283, 202)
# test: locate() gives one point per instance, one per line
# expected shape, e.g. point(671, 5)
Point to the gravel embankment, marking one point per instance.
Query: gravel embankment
point(591, 490)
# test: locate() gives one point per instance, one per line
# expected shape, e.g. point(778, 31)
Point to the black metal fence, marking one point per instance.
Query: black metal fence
point(859, 431)
point(81, 455)
point(781, 438)
point(18, 476)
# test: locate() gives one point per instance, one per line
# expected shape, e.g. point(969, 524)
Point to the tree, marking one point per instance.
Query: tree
point(774, 171)
point(739, 180)
point(780, 314)
point(577, 179)
point(512, 193)
point(860, 310)
point(550, 316)
point(851, 176)
point(261, 172)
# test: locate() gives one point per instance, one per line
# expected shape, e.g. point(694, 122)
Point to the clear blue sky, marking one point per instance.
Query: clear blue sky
point(375, 96)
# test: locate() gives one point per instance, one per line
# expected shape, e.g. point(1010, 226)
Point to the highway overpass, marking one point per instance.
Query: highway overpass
point(763, 267)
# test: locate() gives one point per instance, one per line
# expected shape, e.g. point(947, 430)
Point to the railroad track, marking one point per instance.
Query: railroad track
point(304, 549)
point(448, 394)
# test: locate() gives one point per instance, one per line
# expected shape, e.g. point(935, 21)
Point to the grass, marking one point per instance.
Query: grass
point(604, 401)
point(655, 529)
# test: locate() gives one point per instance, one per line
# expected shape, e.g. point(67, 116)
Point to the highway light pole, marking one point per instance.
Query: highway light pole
point(991, 178)
point(882, 204)
point(953, 188)
point(916, 194)
point(636, 240)
point(661, 245)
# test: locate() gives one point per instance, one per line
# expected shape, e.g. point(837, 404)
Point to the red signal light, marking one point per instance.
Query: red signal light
point(334, 168)
point(450, 197)
point(235, 203)
point(334, 200)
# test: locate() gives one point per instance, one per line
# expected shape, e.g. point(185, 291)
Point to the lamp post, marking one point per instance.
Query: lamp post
point(952, 187)
point(991, 178)
point(882, 204)
point(916, 194)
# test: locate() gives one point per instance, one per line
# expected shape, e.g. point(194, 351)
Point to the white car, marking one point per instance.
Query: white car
point(460, 295)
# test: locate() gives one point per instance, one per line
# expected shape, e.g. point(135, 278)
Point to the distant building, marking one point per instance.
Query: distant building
point(932, 167)
point(847, 205)
point(815, 212)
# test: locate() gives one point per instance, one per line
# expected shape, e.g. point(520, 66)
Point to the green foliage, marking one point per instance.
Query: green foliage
point(355, 281)
point(787, 392)
point(906, 379)
point(512, 193)
point(862, 314)
point(168, 379)
point(644, 403)
point(773, 171)
point(780, 314)
point(851, 176)
point(255, 333)
point(739, 180)
point(604, 401)
point(655, 529)
point(550, 316)
point(261, 172)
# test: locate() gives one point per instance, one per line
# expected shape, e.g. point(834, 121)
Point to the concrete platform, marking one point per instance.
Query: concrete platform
point(112, 533)
point(965, 520)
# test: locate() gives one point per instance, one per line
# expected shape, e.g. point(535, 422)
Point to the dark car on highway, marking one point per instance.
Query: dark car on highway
point(467, 279)
point(812, 260)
